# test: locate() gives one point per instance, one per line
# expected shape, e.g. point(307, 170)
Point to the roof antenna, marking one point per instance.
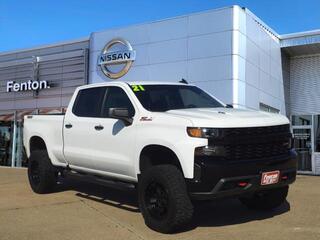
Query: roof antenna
point(183, 81)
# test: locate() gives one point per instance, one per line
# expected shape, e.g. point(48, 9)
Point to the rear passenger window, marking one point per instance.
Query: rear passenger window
point(88, 102)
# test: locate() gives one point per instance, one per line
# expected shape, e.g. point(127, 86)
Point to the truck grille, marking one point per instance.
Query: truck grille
point(255, 131)
point(245, 144)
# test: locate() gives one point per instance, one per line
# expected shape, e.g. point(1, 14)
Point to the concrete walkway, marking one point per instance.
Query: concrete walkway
point(88, 211)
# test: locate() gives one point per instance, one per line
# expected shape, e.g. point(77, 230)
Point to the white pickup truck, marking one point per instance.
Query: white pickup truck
point(173, 141)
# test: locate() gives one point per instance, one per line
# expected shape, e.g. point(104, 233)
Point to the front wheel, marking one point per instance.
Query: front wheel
point(163, 199)
point(41, 173)
point(267, 199)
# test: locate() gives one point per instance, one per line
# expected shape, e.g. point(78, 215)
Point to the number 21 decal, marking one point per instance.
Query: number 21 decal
point(137, 88)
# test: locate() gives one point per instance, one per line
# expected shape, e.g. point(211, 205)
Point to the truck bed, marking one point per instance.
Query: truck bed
point(49, 127)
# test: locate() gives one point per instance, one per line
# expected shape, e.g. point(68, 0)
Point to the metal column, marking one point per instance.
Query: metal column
point(14, 140)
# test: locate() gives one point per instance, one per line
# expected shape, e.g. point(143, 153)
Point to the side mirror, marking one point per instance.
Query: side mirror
point(229, 106)
point(122, 114)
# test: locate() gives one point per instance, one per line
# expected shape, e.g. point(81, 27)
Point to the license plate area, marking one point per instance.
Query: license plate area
point(268, 178)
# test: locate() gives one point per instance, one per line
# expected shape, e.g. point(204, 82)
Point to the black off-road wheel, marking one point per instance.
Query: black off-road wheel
point(41, 173)
point(163, 199)
point(267, 199)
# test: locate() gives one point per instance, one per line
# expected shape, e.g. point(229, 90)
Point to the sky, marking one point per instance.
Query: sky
point(25, 24)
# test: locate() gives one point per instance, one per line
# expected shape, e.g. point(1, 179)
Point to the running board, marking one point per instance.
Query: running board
point(110, 182)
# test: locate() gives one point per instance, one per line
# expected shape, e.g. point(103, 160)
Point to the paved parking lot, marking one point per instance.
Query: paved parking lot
point(82, 210)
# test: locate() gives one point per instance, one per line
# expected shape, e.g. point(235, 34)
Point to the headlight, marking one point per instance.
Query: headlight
point(203, 132)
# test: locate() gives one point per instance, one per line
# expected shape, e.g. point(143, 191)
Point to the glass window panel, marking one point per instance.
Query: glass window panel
point(303, 145)
point(299, 120)
point(274, 110)
point(267, 108)
point(5, 143)
point(317, 133)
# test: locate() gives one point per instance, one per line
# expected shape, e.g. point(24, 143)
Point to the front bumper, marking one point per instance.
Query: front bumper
point(214, 179)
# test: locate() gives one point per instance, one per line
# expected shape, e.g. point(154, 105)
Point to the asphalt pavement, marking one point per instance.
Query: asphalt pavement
point(81, 210)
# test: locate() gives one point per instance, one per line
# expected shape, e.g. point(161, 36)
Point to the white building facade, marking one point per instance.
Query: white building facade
point(229, 52)
point(225, 51)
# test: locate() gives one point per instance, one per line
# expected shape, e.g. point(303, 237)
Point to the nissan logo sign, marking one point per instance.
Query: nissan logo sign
point(117, 54)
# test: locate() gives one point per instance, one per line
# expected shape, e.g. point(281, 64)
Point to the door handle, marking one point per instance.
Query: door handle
point(68, 125)
point(98, 127)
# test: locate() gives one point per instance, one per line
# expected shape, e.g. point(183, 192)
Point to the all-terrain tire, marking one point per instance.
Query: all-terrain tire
point(41, 173)
point(267, 199)
point(167, 182)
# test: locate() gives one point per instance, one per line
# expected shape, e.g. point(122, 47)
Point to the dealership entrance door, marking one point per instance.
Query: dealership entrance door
point(303, 142)
point(303, 145)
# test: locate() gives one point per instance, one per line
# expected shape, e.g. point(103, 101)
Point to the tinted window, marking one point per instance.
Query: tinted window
point(160, 98)
point(298, 120)
point(88, 102)
point(117, 98)
point(317, 133)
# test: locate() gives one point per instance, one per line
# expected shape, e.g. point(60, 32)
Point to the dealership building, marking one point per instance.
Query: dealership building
point(229, 52)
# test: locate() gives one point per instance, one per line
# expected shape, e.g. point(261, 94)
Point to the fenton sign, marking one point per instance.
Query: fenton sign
point(26, 86)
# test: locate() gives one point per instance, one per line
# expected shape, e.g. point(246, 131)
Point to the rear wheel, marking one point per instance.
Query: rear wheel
point(267, 199)
point(163, 199)
point(41, 173)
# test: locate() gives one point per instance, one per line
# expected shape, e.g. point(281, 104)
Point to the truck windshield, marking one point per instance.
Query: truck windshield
point(161, 98)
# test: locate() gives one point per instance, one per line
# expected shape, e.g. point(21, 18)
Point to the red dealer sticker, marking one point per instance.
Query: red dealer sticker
point(270, 177)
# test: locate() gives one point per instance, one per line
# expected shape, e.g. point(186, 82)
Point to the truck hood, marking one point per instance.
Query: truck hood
point(229, 117)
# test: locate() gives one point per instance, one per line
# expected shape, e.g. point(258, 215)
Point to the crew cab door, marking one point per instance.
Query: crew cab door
point(117, 140)
point(96, 141)
point(78, 130)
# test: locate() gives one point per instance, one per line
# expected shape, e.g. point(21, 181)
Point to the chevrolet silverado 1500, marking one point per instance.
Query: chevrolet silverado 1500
point(174, 141)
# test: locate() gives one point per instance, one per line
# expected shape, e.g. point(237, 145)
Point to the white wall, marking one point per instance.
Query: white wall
point(263, 70)
point(286, 81)
point(197, 47)
point(224, 51)
point(305, 84)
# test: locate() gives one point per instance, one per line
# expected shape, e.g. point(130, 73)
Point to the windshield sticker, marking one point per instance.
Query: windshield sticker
point(137, 88)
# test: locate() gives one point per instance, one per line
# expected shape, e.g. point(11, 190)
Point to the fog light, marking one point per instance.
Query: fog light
point(210, 151)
